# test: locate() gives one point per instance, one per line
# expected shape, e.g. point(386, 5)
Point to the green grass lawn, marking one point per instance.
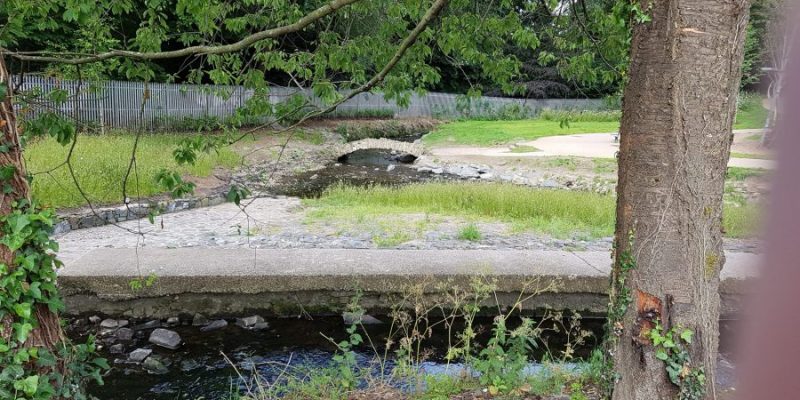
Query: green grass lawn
point(751, 115)
point(741, 173)
point(100, 163)
point(559, 213)
point(748, 155)
point(488, 133)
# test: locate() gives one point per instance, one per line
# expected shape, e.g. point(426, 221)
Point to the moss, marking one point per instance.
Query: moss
point(712, 260)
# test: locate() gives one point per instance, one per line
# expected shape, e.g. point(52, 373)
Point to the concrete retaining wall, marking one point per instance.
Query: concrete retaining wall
point(289, 282)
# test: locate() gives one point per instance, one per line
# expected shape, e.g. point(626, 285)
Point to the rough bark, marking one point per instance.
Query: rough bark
point(678, 112)
point(48, 332)
point(12, 157)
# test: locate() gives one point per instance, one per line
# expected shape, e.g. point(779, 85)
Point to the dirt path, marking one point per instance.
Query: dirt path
point(600, 145)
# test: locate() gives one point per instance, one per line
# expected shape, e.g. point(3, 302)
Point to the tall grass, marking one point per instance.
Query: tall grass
point(100, 162)
point(742, 173)
point(741, 221)
point(559, 213)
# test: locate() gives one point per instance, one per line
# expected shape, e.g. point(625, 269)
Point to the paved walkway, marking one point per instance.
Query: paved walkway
point(595, 145)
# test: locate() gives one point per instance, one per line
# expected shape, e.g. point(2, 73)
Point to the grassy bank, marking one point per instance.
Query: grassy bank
point(100, 163)
point(750, 115)
point(488, 133)
point(750, 155)
point(559, 213)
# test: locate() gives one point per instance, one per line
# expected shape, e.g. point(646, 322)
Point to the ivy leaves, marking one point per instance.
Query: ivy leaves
point(27, 283)
point(672, 347)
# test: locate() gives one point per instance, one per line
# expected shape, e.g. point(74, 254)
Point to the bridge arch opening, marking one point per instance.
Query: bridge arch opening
point(376, 156)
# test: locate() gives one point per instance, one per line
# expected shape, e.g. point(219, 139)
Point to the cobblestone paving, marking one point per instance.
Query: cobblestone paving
point(279, 223)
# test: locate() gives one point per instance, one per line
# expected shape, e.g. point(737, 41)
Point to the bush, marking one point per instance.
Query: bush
point(203, 123)
point(369, 113)
point(351, 132)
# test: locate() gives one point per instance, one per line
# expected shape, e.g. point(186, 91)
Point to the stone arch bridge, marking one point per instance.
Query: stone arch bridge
point(414, 149)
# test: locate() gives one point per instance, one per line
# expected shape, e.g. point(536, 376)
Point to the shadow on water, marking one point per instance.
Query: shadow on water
point(199, 369)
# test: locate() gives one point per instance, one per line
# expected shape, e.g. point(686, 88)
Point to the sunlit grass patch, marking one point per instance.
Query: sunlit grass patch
point(488, 133)
point(750, 155)
point(553, 212)
point(741, 221)
point(100, 163)
point(558, 213)
point(750, 114)
point(740, 173)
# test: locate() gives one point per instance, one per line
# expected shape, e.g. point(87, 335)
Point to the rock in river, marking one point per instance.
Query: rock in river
point(124, 333)
point(199, 320)
point(139, 355)
point(214, 325)
point(165, 338)
point(154, 366)
point(255, 323)
point(109, 323)
point(152, 324)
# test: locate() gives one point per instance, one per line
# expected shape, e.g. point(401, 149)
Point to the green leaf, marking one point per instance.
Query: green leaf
point(35, 291)
point(21, 331)
point(28, 385)
point(101, 362)
point(661, 355)
point(23, 310)
point(686, 335)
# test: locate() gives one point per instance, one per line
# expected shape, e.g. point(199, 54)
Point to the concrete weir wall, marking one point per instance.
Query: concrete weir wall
point(282, 282)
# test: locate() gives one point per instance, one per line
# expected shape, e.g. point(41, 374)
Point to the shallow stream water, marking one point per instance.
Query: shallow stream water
point(360, 168)
point(212, 365)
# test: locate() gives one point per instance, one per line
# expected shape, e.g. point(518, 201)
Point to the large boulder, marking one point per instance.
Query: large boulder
point(165, 338)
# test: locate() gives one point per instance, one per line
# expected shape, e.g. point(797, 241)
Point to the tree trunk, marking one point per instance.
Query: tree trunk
point(48, 332)
point(678, 112)
point(12, 157)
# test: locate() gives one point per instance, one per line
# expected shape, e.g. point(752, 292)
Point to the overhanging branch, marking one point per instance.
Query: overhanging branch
point(246, 42)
